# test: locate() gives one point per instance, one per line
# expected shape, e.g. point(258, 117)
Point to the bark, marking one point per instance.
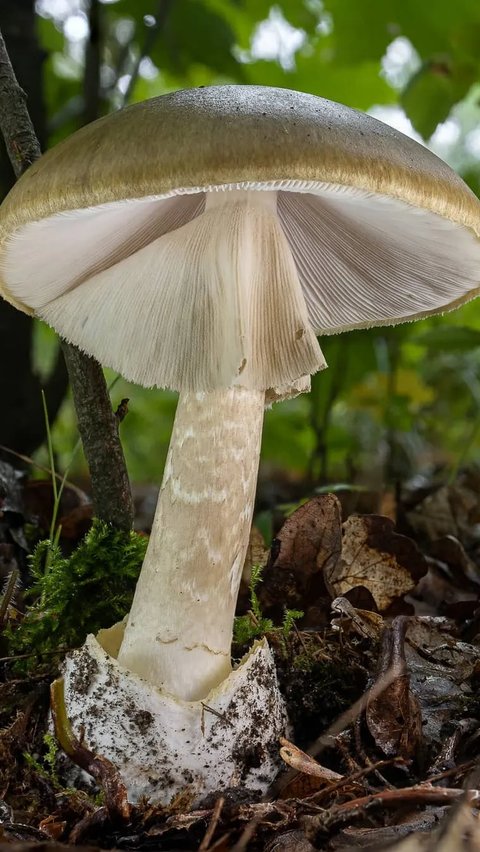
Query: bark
point(97, 425)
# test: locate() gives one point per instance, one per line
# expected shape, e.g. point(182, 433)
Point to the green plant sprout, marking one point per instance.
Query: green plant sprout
point(46, 765)
point(254, 625)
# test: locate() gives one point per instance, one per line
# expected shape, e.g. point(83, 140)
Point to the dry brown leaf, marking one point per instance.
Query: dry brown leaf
point(374, 556)
point(459, 832)
point(257, 553)
point(382, 837)
point(308, 544)
point(393, 716)
point(52, 826)
point(451, 510)
point(292, 841)
point(441, 670)
point(302, 762)
point(361, 622)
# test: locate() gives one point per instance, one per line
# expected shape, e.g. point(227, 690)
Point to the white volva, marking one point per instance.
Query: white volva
point(161, 744)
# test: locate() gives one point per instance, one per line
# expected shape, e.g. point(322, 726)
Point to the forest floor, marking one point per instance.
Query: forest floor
point(380, 675)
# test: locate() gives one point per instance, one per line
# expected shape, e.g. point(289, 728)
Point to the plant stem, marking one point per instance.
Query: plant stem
point(98, 427)
point(96, 422)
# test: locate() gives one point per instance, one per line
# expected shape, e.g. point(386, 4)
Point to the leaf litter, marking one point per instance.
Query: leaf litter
point(380, 675)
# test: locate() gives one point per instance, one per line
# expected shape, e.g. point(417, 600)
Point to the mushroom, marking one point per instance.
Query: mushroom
point(200, 241)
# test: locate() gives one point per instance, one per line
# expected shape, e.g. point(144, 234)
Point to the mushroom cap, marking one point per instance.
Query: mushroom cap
point(234, 134)
point(379, 228)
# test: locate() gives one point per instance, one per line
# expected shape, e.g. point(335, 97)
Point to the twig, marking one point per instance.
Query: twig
point(15, 657)
point(97, 425)
point(217, 810)
point(246, 835)
point(418, 795)
point(347, 780)
point(33, 463)
point(459, 770)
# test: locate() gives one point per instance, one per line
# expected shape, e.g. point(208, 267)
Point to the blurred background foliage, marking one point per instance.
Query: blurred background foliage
point(394, 403)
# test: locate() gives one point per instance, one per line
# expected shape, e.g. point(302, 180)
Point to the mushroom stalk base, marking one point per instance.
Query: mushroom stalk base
point(179, 631)
point(162, 745)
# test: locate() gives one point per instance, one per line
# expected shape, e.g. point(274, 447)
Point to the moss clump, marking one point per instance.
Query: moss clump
point(253, 625)
point(78, 594)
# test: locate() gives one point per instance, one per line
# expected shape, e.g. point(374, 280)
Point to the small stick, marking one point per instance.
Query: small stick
point(419, 794)
point(246, 835)
point(205, 844)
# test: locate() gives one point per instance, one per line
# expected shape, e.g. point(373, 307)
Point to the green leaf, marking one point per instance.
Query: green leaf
point(360, 87)
point(451, 28)
point(450, 338)
point(49, 36)
point(194, 33)
point(433, 91)
point(361, 30)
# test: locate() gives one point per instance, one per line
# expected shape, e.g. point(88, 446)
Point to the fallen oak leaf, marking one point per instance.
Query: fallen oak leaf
point(52, 826)
point(373, 555)
point(308, 544)
point(451, 510)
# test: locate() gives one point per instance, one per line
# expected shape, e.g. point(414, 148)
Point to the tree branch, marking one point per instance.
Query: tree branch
point(98, 427)
point(20, 140)
point(96, 422)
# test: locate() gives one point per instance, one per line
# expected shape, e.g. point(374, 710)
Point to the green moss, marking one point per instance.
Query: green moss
point(46, 765)
point(254, 625)
point(75, 595)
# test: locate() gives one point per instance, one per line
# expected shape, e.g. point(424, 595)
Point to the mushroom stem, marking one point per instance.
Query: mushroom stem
point(179, 630)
